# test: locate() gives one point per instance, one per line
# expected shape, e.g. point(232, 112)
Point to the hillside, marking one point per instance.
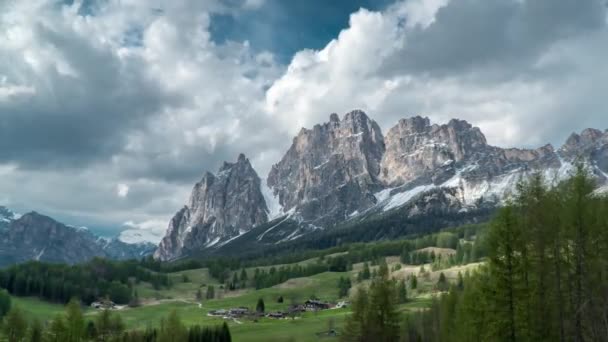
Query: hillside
point(155, 302)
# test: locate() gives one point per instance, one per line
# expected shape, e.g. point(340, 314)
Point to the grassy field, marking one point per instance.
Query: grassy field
point(37, 309)
point(181, 298)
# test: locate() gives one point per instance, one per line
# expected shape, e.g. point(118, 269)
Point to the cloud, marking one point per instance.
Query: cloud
point(122, 190)
point(521, 70)
point(111, 110)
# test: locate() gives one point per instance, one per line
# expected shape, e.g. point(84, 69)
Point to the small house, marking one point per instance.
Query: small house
point(276, 315)
point(314, 305)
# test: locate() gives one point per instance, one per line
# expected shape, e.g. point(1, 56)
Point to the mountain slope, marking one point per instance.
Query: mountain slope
point(331, 170)
point(344, 173)
point(37, 237)
point(221, 206)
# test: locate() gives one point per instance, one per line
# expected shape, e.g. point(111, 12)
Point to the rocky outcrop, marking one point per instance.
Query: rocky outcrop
point(592, 145)
point(420, 155)
point(331, 170)
point(221, 206)
point(346, 170)
point(415, 148)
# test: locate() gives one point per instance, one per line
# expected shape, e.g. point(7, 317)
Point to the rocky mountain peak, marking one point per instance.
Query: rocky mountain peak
point(221, 206)
point(413, 125)
point(415, 148)
point(34, 236)
point(333, 117)
point(330, 170)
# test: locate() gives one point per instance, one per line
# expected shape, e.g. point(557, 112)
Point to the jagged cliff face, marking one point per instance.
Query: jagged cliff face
point(331, 170)
point(220, 207)
point(592, 145)
point(415, 148)
point(346, 169)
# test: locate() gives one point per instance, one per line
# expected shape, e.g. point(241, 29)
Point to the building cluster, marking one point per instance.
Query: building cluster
point(104, 305)
point(292, 310)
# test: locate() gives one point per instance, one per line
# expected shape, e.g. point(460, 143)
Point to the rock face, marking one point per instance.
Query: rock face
point(591, 144)
point(415, 148)
point(38, 237)
point(331, 170)
point(221, 206)
point(456, 155)
point(345, 169)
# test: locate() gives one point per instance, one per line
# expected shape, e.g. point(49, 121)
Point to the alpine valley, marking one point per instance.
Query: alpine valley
point(346, 181)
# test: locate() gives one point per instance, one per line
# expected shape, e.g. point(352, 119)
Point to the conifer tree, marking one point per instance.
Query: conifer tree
point(75, 322)
point(57, 330)
point(402, 292)
point(15, 325)
point(260, 305)
point(35, 331)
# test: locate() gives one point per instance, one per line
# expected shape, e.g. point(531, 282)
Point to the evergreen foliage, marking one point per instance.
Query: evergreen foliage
point(546, 275)
point(89, 281)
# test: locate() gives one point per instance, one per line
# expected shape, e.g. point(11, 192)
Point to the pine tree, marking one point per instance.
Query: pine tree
point(355, 328)
point(260, 305)
point(224, 334)
point(366, 272)
point(57, 331)
point(173, 330)
point(210, 292)
point(506, 266)
point(35, 331)
point(103, 325)
point(75, 322)
point(235, 281)
point(15, 325)
point(374, 316)
point(413, 282)
point(442, 283)
point(402, 292)
point(5, 303)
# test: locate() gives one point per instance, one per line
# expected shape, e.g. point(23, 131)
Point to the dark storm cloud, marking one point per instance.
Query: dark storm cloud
point(72, 120)
point(495, 34)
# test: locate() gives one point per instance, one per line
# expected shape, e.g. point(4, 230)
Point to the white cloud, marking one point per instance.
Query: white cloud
point(122, 190)
point(136, 100)
point(146, 231)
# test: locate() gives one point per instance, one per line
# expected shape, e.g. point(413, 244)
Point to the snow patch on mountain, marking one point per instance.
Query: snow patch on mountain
point(275, 209)
point(402, 198)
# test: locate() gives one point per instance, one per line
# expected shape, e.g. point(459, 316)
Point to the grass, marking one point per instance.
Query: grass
point(181, 298)
point(35, 308)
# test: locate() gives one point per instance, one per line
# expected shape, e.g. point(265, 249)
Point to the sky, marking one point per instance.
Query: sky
point(110, 110)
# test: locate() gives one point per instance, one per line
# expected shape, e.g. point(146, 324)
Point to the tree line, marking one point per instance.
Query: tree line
point(73, 326)
point(546, 278)
point(89, 281)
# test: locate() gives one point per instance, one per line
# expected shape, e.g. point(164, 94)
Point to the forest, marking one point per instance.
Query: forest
point(545, 277)
point(89, 281)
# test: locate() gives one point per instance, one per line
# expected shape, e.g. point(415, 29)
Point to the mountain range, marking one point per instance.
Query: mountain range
point(340, 181)
point(346, 172)
point(33, 236)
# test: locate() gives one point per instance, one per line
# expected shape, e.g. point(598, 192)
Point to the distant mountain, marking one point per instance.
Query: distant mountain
point(6, 216)
point(345, 173)
point(37, 237)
